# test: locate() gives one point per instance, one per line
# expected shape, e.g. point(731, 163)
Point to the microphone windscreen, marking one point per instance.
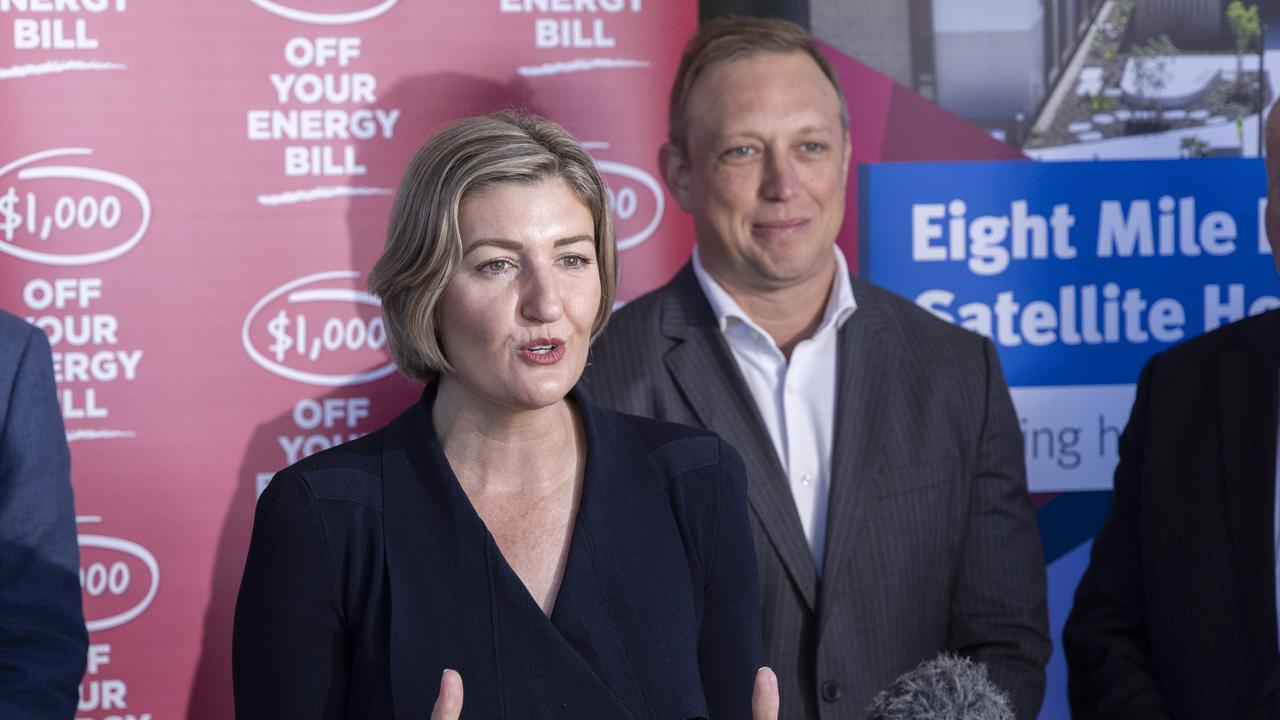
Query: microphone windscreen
point(948, 687)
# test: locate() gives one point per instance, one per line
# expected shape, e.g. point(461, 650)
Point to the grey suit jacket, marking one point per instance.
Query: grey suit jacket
point(931, 539)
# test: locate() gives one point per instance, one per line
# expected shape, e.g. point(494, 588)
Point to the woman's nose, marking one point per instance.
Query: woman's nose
point(541, 300)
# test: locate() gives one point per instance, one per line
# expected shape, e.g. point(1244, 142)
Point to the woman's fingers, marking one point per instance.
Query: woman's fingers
point(764, 698)
point(449, 702)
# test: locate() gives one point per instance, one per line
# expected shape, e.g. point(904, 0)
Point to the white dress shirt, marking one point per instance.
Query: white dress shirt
point(796, 400)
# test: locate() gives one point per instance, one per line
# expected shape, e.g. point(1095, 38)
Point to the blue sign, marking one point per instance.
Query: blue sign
point(1079, 271)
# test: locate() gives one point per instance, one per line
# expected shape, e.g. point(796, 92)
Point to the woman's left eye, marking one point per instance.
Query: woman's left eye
point(575, 261)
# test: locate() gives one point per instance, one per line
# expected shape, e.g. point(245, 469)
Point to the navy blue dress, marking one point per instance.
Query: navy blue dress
point(370, 572)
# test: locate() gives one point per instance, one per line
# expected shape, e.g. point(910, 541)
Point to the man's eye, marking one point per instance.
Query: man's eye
point(741, 151)
point(813, 147)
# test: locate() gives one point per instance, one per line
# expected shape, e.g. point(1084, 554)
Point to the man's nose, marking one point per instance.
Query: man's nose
point(780, 181)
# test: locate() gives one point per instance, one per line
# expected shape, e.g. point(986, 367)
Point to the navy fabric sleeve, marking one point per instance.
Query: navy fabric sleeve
point(1110, 673)
point(729, 647)
point(290, 655)
point(42, 632)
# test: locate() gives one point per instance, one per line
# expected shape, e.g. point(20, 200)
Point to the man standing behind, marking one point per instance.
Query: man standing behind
point(1176, 615)
point(887, 483)
point(42, 632)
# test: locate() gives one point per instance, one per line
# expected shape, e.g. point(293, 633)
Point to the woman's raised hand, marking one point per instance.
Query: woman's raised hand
point(449, 702)
point(764, 698)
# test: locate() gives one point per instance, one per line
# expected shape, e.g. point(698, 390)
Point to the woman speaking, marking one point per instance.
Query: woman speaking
point(561, 560)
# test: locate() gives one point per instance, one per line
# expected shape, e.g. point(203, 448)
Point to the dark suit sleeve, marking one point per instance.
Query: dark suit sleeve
point(290, 657)
point(998, 608)
point(729, 644)
point(42, 632)
point(1108, 669)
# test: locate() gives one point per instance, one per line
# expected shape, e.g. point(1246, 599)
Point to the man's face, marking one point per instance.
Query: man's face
point(764, 173)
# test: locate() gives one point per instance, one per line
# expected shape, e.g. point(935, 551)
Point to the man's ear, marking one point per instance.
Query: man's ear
point(675, 170)
point(848, 153)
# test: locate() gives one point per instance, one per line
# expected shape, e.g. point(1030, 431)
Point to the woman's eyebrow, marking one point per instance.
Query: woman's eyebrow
point(575, 239)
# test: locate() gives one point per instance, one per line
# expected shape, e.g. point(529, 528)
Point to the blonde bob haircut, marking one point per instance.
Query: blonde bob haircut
point(424, 245)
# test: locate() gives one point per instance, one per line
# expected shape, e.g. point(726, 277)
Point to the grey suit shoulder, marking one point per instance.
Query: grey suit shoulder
point(934, 351)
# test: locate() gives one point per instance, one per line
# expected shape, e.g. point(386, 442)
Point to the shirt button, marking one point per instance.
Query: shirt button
point(831, 692)
point(806, 479)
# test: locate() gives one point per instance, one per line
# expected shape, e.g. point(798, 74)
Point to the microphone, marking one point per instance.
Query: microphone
point(948, 687)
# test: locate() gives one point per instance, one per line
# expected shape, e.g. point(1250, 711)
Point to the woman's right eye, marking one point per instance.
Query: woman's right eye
point(496, 266)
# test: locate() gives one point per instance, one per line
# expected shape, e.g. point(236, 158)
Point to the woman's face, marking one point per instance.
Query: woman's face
point(516, 319)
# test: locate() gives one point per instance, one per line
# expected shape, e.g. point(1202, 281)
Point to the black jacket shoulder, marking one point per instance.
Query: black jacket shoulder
point(350, 472)
point(1259, 332)
point(677, 448)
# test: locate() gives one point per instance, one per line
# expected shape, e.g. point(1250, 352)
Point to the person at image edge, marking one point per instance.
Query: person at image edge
point(1175, 616)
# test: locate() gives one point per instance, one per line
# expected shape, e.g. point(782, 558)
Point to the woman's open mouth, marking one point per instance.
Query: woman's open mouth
point(543, 351)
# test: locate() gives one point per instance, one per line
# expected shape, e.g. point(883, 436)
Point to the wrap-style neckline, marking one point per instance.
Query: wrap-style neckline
point(453, 588)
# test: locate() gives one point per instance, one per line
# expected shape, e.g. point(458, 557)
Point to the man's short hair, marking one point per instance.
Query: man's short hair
point(424, 243)
point(724, 40)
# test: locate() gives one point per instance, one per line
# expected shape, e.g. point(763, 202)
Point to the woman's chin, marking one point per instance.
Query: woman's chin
point(545, 395)
point(522, 388)
point(545, 386)
point(536, 395)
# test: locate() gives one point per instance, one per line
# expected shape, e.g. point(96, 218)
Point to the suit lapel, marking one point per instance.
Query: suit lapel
point(1247, 373)
point(866, 351)
point(436, 559)
point(702, 367)
point(626, 599)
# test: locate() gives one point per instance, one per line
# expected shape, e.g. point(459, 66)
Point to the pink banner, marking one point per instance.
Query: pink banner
point(190, 197)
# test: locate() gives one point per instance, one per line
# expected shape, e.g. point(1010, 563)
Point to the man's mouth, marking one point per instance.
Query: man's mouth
point(780, 227)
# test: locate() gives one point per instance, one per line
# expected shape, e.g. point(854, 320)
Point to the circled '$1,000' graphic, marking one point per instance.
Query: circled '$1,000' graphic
point(86, 212)
point(320, 330)
point(291, 332)
point(69, 214)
